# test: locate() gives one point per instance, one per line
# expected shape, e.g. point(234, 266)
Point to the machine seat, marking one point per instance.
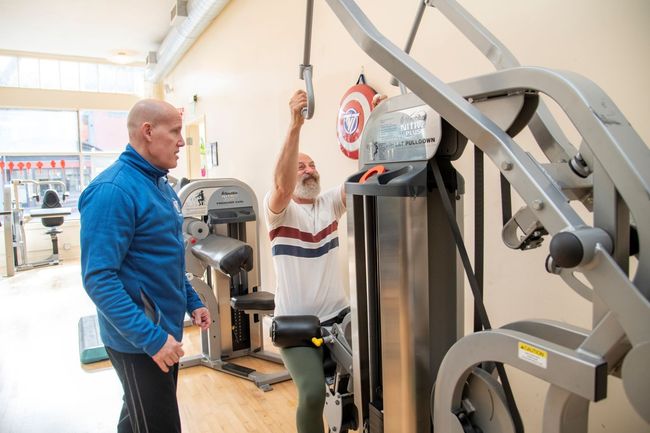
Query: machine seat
point(258, 301)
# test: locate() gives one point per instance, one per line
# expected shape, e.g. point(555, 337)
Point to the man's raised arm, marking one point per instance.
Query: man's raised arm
point(284, 181)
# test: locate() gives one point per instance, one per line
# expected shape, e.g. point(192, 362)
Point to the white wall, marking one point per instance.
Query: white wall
point(245, 67)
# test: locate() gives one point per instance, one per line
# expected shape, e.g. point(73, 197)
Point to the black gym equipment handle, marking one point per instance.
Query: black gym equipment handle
point(398, 180)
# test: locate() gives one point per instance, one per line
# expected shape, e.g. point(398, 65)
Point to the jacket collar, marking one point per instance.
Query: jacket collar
point(132, 157)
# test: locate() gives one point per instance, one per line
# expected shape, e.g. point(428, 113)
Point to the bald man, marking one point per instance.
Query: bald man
point(133, 268)
point(302, 225)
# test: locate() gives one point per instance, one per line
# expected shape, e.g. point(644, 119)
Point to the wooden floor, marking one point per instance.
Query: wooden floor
point(44, 388)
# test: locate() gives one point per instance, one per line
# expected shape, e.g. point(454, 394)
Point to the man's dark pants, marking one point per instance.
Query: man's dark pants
point(150, 404)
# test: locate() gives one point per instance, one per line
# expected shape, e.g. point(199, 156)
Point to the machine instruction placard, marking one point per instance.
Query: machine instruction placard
point(197, 203)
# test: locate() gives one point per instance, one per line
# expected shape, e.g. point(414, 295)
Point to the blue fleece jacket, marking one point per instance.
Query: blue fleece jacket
point(132, 256)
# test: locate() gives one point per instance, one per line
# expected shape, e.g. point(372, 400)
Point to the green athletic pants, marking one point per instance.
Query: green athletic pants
point(305, 364)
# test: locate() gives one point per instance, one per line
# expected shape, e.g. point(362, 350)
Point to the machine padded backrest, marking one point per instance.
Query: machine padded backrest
point(51, 200)
point(225, 254)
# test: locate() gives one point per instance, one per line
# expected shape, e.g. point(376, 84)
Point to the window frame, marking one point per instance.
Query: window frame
point(95, 71)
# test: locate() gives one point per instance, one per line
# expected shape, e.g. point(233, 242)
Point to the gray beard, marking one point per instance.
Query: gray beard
point(307, 189)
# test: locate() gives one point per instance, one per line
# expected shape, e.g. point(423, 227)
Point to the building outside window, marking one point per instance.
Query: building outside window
point(70, 146)
point(58, 145)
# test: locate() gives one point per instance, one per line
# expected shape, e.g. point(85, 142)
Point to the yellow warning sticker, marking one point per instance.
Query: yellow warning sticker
point(532, 354)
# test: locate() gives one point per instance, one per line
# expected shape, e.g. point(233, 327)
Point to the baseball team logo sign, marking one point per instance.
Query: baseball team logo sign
point(354, 109)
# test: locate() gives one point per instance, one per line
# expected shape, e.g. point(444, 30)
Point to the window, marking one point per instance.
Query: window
point(31, 72)
point(69, 147)
point(88, 77)
point(50, 74)
point(8, 71)
point(95, 164)
point(28, 72)
point(44, 168)
point(69, 75)
point(103, 131)
point(35, 131)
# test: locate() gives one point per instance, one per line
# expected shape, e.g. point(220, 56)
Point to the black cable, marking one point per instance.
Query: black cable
point(479, 233)
point(478, 298)
point(506, 201)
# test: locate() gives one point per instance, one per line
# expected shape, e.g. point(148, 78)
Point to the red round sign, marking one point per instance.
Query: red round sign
point(354, 109)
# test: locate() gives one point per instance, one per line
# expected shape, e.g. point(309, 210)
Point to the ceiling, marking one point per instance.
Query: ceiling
point(95, 29)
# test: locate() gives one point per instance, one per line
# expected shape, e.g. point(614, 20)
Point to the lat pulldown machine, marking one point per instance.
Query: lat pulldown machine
point(406, 338)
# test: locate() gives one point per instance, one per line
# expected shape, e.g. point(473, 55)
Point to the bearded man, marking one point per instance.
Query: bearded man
point(303, 226)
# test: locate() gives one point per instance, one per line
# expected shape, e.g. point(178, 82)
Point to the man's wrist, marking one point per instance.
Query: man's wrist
point(295, 126)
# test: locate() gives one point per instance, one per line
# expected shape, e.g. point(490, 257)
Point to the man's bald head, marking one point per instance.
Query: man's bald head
point(156, 132)
point(151, 111)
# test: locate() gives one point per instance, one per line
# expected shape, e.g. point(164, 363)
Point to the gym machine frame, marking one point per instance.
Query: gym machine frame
point(608, 172)
point(14, 231)
point(226, 211)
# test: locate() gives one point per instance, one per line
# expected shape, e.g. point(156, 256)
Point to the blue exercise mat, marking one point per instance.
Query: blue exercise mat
point(91, 348)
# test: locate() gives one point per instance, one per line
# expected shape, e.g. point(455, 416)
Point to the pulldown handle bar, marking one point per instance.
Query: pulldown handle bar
point(305, 67)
